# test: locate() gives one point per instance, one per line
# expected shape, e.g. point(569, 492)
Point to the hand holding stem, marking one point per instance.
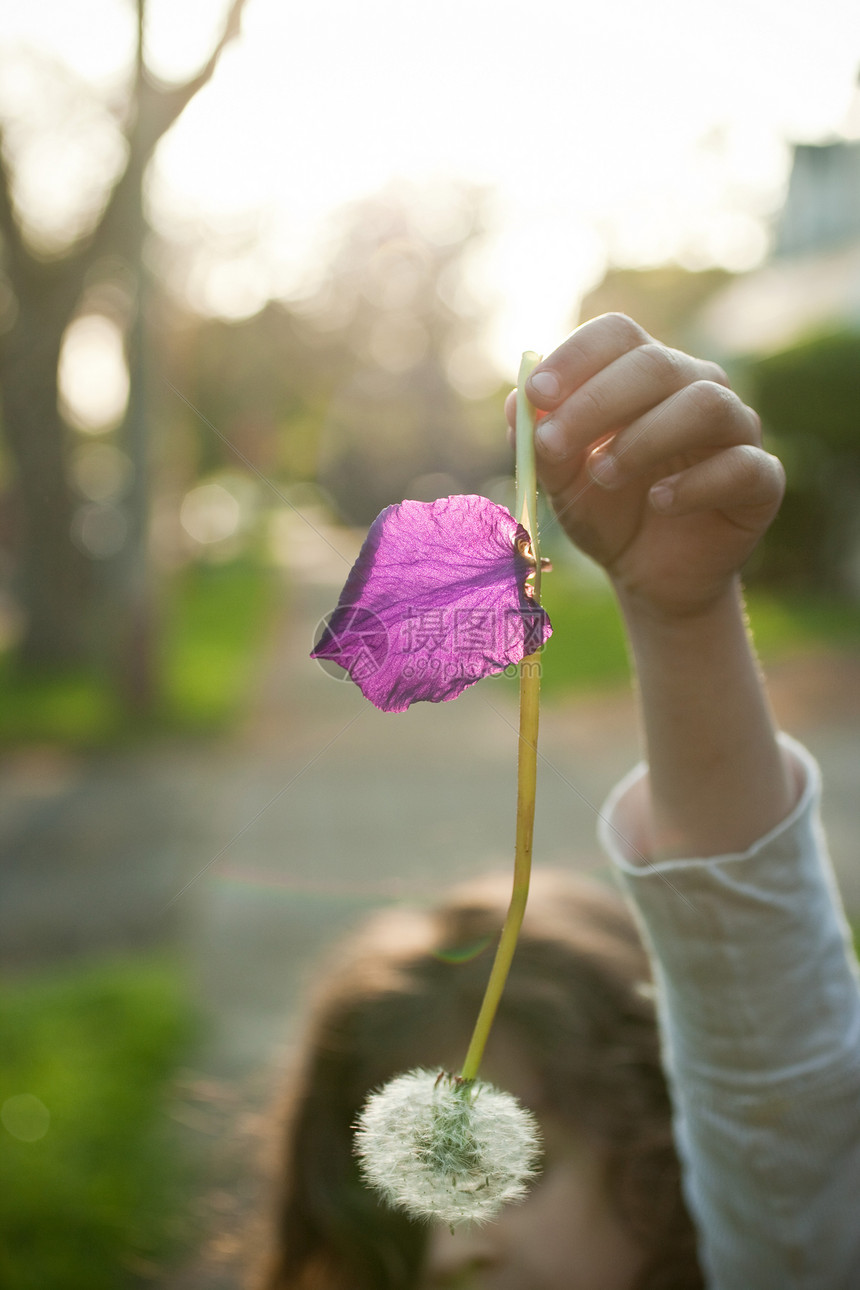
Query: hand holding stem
point(656, 469)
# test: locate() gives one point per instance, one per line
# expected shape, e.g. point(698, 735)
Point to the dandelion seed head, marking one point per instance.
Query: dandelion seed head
point(446, 1150)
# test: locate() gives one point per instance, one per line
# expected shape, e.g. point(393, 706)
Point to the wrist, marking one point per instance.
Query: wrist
point(683, 623)
point(716, 775)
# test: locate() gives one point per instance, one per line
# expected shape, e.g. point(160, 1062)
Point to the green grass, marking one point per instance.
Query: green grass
point(67, 707)
point(90, 1184)
point(791, 624)
point(588, 650)
point(214, 620)
point(212, 641)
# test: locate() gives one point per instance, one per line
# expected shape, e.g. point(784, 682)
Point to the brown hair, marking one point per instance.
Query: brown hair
point(579, 1005)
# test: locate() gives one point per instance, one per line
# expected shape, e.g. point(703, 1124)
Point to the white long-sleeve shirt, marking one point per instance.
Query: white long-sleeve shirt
point(759, 1005)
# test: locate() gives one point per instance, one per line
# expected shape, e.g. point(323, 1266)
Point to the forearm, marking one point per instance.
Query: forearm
point(760, 1012)
point(717, 778)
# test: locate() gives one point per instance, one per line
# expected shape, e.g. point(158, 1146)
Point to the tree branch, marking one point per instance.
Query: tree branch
point(50, 285)
point(158, 107)
point(15, 252)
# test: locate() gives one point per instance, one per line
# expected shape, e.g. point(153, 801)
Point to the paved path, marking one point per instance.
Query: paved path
point(255, 853)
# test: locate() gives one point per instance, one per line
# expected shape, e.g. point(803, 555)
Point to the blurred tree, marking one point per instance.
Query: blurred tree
point(263, 382)
point(664, 299)
point(809, 400)
point(373, 383)
point(42, 291)
point(417, 405)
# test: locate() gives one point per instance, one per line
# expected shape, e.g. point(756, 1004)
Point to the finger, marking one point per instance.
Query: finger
point(700, 417)
point(586, 351)
point(617, 396)
point(741, 479)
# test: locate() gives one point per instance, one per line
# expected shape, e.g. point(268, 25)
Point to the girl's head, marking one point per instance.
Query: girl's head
point(575, 1039)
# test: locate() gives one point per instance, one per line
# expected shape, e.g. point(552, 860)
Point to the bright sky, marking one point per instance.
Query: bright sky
point(640, 131)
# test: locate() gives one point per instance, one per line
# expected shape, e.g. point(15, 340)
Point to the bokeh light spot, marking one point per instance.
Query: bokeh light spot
point(25, 1117)
point(100, 530)
point(210, 513)
point(93, 374)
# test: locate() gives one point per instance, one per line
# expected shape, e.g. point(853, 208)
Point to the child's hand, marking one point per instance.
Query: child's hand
point(692, 491)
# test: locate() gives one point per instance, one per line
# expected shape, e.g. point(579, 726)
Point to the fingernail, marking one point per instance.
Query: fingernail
point(662, 496)
point(603, 468)
point(551, 438)
point(545, 384)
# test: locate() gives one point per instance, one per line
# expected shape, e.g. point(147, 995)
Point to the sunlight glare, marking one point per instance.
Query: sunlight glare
point(597, 143)
point(614, 133)
point(64, 32)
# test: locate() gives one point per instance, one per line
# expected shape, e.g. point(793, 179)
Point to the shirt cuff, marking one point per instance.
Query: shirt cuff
point(752, 953)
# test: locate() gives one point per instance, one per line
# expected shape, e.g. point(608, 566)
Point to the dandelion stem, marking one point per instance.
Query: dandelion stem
point(526, 513)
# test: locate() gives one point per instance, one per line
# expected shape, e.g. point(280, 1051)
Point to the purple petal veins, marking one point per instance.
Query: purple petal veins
point(436, 600)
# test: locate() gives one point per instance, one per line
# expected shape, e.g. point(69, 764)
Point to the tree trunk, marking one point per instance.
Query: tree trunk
point(52, 572)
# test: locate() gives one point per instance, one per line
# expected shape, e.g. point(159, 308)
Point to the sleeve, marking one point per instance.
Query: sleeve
point(759, 1008)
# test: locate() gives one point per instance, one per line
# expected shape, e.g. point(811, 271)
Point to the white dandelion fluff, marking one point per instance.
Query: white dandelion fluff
point(446, 1149)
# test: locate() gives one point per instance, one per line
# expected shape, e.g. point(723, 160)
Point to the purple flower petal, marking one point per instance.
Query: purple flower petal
point(435, 601)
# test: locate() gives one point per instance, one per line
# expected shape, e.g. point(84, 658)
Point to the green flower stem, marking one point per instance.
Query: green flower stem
point(526, 513)
point(526, 503)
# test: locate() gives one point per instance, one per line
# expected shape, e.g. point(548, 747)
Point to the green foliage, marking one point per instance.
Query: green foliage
point(214, 622)
point(809, 400)
point(664, 299)
point(588, 648)
point(69, 706)
point(791, 623)
point(94, 1189)
point(813, 389)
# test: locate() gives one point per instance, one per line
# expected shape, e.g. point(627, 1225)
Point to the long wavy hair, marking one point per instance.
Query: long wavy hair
point(402, 993)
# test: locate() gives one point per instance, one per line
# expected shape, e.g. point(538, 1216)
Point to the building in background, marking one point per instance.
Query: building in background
point(812, 280)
